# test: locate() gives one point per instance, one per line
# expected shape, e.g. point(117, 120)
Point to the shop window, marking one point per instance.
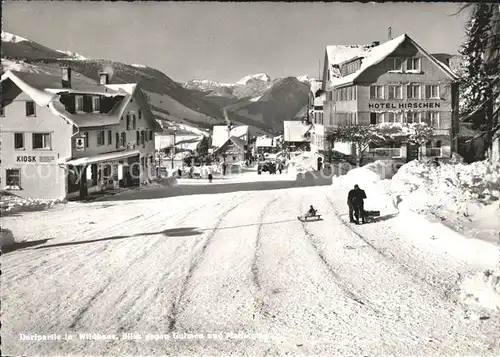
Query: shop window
point(18, 141)
point(30, 109)
point(432, 91)
point(79, 103)
point(110, 137)
point(13, 177)
point(413, 91)
point(376, 92)
point(41, 141)
point(100, 138)
point(395, 92)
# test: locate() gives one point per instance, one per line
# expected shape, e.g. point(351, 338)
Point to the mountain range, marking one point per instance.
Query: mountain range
point(193, 107)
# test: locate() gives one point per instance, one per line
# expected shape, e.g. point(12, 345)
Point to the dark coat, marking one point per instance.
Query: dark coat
point(356, 197)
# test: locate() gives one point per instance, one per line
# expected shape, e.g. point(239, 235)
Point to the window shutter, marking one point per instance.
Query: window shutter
point(87, 104)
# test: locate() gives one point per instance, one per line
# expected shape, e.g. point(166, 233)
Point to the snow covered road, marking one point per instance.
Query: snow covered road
point(183, 272)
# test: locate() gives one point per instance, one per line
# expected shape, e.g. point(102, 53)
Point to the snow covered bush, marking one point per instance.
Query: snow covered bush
point(452, 186)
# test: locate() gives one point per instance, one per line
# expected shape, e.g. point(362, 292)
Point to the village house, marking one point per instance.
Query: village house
point(266, 144)
point(230, 144)
point(61, 131)
point(395, 83)
point(297, 135)
point(318, 134)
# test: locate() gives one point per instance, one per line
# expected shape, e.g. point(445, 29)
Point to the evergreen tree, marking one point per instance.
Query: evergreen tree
point(480, 68)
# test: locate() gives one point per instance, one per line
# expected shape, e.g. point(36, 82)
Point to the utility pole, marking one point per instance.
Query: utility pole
point(390, 33)
point(173, 147)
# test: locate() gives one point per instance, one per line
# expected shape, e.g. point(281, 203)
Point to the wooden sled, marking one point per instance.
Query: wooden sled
point(316, 217)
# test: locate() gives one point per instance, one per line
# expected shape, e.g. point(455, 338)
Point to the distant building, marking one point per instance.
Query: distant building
point(232, 151)
point(58, 130)
point(222, 132)
point(297, 135)
point(265, 144)
point(396, 82)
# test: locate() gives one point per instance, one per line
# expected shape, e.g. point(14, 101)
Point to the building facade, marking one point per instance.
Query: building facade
point(65, 136)
point(395, 83)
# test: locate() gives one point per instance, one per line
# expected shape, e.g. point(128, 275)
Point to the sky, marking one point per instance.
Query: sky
point(227, 41)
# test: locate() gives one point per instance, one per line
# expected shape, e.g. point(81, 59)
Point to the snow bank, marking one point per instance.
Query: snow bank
point(458, 187)
point(483, 289)
point(10, 204)
point(301, 162)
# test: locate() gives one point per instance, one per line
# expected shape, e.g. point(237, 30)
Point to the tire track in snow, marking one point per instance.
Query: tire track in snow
point(435, 286)
point(338, 280)
point(79, 316)
point(174, 311)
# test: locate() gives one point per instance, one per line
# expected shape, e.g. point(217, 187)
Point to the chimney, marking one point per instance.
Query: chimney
point(375, 43)
point(66, 77)
point(103, 78)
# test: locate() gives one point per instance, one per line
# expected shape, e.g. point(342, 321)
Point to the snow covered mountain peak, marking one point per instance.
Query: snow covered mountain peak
point(259, 76)
point(9, 37)
point(73, 54)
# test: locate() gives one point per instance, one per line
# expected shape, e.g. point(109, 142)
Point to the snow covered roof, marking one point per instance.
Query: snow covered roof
point(370, 56)
point(240, 143)
point(264, 141)
point(46, 89)
point(295, 131)
point(221, 133)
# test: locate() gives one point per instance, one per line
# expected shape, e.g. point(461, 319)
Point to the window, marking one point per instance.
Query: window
point(376, 92)
point(413, 117)
point(432, 119)
point(96, 104)
point(123, 140)
point(87, 138)
point(432, 91)
point(13, 177)
point(394, 64)
point(128, 121)
point(2, 111)
point(117, 137)
point(413, 64)
point(110, 137)
point(41, 141)
point(395, 92)
point(151, 135)
point(140, 114)
point(79, 103)
point(143, 137)
point(373, 118)
point(30, 109)
point(137, 137)
point(133, 122)
point(390, 117)
point(413, 91)
point(100, 138)
point(18, 141)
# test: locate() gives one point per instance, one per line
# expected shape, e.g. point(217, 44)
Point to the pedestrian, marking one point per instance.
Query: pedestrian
point(210, 177)
point(356, 205)
point(280, 167)
point(179, 173)
point(224, 167)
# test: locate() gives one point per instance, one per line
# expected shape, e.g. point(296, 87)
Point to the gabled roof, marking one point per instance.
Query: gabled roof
point(372, 55)
point(239, 143)
point(221, 133)
point(45, 90)
point(295, 131)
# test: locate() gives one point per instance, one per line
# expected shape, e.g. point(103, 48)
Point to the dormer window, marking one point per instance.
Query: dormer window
point(79, 103)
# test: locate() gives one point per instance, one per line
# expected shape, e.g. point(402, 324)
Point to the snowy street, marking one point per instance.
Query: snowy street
point(175, 270)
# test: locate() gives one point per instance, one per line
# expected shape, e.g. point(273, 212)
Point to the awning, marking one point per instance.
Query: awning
point(110, 156)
